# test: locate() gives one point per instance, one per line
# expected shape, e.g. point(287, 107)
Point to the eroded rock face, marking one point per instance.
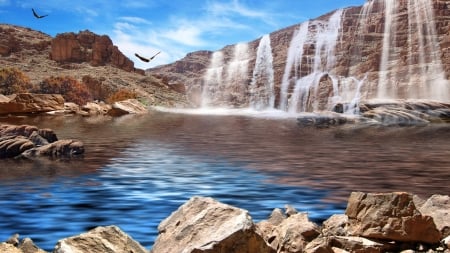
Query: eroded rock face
point(31, 103)
point(86, 46)
point(100, 240)
point(390, 216)
point(206, 225)
point(438, 207)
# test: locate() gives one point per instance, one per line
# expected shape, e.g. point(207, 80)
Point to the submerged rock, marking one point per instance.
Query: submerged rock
point(29, 141)
point(321, 121)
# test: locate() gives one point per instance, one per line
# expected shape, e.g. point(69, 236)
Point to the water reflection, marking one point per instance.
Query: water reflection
point(139, 169)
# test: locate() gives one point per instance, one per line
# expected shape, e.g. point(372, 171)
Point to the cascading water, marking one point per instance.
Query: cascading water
point(262, 94)
point(293, 63)
point(212, 79)
point(422, 39)
point(425, 77)
point(237, 76)
point(323, 36)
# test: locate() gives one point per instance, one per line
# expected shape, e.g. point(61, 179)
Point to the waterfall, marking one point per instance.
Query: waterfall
point(422, 39)
point(324, 59)
point(212, 79)
point(293, 62)
point(262, 94)
point(425, 77)
point(237, 76)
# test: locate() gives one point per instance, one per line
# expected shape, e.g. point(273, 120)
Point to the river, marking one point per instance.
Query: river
point(138, 169)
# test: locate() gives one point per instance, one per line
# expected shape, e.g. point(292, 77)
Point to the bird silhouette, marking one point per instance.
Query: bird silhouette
point(37, 15)
point(146, 59)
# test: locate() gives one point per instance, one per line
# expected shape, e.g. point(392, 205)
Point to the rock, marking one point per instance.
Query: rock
point(61, 148)
point(9, 248)
point(14, 240)
point(438, 207)
point(206, 225)
point(320, 121)
point(86, 46)
point(100, 240)
point(37, 139)
point(291, 235)
point(336, 225)
point(359, 244)
point(389, 216)
point(96, 108)
point(28, 246)
point(14, 146)
point(32, 103)
point(319, 245)
point(129, 106)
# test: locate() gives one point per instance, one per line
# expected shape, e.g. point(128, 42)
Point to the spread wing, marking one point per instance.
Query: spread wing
point(142, 58)
point(151, 58)
point(37, 15)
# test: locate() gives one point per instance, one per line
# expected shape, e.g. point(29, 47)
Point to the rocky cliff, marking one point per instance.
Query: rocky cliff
point(382, 50)
point(89, 47)
point(87, 57)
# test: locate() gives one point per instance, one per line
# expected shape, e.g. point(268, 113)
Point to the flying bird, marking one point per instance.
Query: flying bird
point(146, 59)
point(37, 15)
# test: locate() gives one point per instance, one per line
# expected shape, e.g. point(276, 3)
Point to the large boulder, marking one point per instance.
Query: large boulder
point(290, 235)
point(438, 207)
point(100, 240)
point(389, 216)
point(31, 103)
point(206, 225)
point(129, 106)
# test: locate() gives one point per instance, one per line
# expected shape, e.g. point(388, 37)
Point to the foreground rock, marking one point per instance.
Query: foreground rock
point(30, 141)
point(31, 103)
point(205, 225)
point(100, 240)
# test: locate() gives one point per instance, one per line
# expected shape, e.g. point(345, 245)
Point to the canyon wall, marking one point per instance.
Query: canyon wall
point(385, 49)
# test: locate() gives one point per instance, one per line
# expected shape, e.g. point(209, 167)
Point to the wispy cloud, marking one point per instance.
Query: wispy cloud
point(4, 2)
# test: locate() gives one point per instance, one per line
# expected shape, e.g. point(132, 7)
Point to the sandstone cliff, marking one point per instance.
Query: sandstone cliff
point(384, 49)
point(87, 57)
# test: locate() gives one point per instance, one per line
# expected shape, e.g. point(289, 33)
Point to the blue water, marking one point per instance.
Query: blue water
point(138, 170)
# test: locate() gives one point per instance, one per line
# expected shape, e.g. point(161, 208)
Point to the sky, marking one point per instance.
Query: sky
point(174, 27)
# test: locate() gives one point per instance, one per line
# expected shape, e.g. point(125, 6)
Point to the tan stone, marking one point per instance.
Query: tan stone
point(206, 225)
point(100, 240)
point(389, 216)
point(438, 207)
point(32, 103)
point(129, 106)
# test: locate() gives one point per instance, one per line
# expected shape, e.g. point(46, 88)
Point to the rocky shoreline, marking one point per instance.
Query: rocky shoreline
point(373, 222)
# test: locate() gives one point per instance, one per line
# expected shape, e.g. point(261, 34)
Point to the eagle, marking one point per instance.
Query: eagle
point(37, 15)
point(146, 59)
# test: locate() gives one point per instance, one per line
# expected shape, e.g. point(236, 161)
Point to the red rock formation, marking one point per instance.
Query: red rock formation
point(86, 46)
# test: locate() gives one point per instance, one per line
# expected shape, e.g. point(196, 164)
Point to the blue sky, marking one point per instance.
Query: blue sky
point(175, 27)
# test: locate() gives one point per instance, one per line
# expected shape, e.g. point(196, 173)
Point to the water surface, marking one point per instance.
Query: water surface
point(139, 169)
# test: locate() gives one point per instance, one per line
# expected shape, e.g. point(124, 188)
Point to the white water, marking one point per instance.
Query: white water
point(426, 77)
point(324, 39)
point(433, 84)
point(213, 78)
point(237, 73)
point(293, 63)
point(262, 93)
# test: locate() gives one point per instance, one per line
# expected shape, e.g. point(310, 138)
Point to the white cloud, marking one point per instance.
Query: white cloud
point(136, 20)
point(234, 8)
